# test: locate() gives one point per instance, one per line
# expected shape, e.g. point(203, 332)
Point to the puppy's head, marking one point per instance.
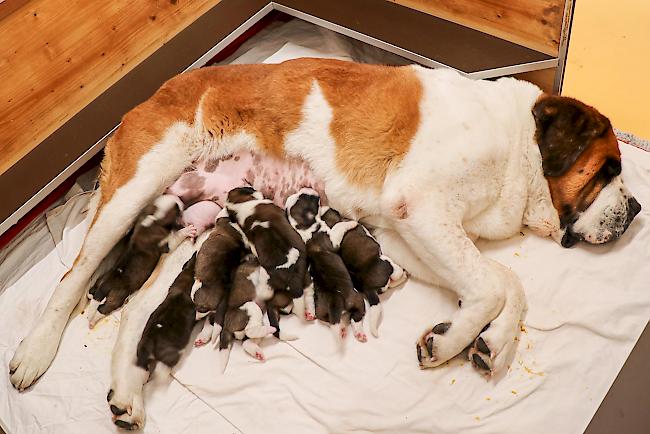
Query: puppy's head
point(243, 194)
point(582, 164)
point(302, 208)
point(165, 211)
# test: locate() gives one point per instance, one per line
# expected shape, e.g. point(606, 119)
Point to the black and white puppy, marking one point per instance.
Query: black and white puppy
point(169, 327)
point(334, 291)
point(371, 271)
point(244, 318)
point(216, 262)
point(155, 232)
point(278, 247)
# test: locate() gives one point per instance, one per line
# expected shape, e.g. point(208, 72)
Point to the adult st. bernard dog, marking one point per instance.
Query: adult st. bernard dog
point(432, 159)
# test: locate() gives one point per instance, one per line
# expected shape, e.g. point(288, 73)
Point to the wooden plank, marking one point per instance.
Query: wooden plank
point(544, 78)
point(8, 7)
point(58, 55)
point(536, 24)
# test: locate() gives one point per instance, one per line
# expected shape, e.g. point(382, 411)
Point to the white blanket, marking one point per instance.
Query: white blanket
point(587, 307)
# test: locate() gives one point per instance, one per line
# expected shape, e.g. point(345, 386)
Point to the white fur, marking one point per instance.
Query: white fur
point(195, 287)
point(264, 225)
point(472, 170)
point(338, 231)
point(127, 379)
point(374, 314)
point(606, 217)
point(245, 209)
point(292, 258)
point(158, 168)
point(205, 335)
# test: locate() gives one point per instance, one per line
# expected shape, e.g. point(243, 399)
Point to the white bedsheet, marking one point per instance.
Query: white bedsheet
point(587, 307)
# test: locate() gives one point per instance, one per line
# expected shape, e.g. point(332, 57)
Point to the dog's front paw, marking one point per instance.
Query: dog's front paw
point(431, 348)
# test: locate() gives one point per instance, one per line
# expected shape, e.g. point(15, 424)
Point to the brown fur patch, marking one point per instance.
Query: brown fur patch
point(577, 188)
point(376, 113)
point(375, 108)
point(575, 141)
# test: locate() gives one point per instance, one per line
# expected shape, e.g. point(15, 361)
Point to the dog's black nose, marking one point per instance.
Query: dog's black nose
point(634, 207)
point(569, 239)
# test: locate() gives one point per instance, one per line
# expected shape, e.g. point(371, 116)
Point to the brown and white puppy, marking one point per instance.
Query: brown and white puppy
point(169, 327)
point(216, 262)
point(334, 291)
point(371, 271)
point(432, 159)
point(244, 315)
point(249, 293)
point(278, 247)
point(150, 238)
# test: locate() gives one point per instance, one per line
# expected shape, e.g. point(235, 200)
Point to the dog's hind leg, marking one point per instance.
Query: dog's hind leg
point(480, 283)
point(493, 348)
point(129, 181)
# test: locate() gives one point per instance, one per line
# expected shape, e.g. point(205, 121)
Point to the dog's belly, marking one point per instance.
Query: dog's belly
point(275, 178)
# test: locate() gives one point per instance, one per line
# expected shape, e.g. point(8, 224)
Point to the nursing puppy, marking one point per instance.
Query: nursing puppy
point(333, 286)
point(244, 316)
point(216, 262)
point(169, 327)
point(371, 271)
point(278, 247)
point(248, 293)
point(151, 237)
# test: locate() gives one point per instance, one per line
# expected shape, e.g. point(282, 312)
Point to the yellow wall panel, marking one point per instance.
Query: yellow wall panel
point(608, 63)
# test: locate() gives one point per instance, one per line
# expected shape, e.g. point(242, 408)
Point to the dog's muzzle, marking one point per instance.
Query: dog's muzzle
point(570, 237)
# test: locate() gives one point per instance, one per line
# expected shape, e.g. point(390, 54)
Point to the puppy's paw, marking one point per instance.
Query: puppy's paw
point(205, 335)
point(200, 341)
point(430, 348)
point(361, 336)
point(188, 231)
point(252, 348)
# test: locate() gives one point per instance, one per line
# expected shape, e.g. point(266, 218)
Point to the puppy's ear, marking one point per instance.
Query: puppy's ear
point(565, 127)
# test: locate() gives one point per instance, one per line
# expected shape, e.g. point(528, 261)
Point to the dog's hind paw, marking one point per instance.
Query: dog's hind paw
point(492, 349)
point(128, 411)
point(31, 359)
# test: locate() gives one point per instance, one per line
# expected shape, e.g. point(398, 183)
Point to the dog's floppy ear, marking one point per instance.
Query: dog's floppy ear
point(565, 128)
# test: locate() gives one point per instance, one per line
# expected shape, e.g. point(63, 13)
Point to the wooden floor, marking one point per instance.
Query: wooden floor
point(58, 55)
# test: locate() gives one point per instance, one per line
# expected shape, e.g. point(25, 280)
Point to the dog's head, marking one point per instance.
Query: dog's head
point(302, 208)
point(243, 194)
point(582, 164)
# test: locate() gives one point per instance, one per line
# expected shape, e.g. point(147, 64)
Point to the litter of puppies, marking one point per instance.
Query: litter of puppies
point(255, 262)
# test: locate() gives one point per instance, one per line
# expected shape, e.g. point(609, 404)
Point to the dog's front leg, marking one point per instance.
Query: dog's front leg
point(127, 378)
point(439, 241)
